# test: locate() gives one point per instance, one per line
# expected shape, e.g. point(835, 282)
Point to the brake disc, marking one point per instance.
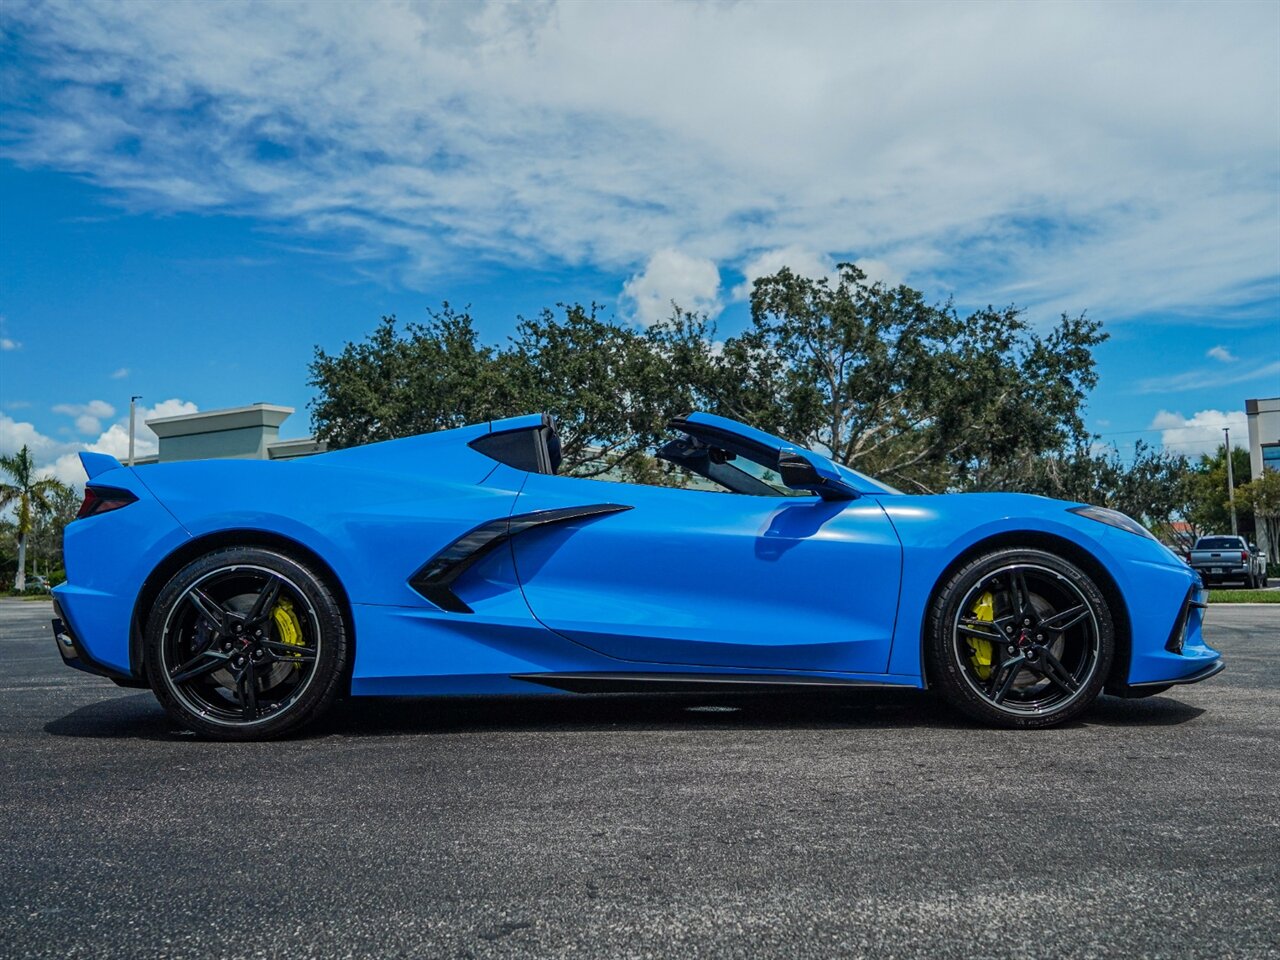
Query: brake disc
point(982, 652)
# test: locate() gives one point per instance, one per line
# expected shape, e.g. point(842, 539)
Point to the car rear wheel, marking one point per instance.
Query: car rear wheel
point(1020, 638)
point(245, 644)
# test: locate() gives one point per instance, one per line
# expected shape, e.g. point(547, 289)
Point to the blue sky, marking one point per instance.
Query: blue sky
point(194, 195)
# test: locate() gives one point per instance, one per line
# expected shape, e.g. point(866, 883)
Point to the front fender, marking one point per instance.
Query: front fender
point(936, 531)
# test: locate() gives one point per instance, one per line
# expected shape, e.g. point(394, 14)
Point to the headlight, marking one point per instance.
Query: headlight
point(1114, 518)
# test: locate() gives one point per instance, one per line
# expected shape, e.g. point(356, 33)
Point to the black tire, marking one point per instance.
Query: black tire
point(246, 643)
point(1049, 637)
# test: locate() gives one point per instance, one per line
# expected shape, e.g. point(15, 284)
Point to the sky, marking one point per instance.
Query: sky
point(194, 196)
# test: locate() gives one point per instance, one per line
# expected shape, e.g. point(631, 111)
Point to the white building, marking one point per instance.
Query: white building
point(1264, 453)
point(239, 433)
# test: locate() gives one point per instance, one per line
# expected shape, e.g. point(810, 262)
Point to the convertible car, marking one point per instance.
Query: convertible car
point(249, 594)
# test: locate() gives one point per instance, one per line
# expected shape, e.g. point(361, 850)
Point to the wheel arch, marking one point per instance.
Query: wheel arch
point(1068, 550)
point(196, 547)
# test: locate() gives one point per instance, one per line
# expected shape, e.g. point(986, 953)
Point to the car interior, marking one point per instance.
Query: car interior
point(724, 462)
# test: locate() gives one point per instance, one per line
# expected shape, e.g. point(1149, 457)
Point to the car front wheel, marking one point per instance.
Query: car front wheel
point(1020, 638)
point(245, 643)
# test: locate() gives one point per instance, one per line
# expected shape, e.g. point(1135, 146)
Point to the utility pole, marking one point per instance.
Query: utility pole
point(1231, 482)
point(133, 414)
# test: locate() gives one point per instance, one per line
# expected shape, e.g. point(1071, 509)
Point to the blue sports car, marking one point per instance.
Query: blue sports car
point(249, 594)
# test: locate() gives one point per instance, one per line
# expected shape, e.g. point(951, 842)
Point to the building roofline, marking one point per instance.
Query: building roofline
point(213, 421)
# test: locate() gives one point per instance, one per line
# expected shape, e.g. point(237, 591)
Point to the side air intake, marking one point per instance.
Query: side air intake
point(435, 579)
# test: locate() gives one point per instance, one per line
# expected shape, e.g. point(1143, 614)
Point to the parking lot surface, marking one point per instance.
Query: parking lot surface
point(799, 826)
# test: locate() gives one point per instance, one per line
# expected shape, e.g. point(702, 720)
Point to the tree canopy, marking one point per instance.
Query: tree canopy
point(898, 387)
point(883, 380)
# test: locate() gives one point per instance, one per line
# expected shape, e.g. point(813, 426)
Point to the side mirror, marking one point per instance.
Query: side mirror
point(804, 470)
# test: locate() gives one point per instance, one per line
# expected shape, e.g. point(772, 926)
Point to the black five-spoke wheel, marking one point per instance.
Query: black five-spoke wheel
point(245, 643)
point(1020, 638)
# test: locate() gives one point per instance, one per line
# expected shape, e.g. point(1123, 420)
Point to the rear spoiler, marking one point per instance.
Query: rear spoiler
point(98, 463)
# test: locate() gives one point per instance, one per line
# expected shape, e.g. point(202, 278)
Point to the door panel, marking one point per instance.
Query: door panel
point(714, 579)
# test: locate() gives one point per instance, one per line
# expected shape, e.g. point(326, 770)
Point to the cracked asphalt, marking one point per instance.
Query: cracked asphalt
point(798, 826)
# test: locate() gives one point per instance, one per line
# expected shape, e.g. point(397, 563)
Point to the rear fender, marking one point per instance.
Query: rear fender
point(108, 558)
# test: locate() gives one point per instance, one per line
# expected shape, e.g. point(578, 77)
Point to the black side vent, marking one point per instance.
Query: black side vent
point(435, 578)
point(532, 449)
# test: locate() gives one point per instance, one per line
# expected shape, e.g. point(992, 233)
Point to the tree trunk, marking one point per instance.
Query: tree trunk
point(20, 580)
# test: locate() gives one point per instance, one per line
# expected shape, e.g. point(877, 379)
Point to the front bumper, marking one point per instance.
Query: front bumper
point(1182, 655)
point(1204, 673)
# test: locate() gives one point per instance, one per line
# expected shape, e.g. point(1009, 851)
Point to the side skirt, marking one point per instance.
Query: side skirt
point(688, 682)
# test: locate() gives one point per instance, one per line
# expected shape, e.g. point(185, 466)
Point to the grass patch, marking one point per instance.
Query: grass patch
point(1244, 596)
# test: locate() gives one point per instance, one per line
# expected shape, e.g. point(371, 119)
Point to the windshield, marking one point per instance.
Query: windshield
point(769, 477)
point(1220, 543)
point(743, 459)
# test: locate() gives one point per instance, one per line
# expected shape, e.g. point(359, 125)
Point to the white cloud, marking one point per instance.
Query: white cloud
point(61, 459)
point(808, 263)
point(7, 344)
point(1207, 378)
point(1201, 432)
point(801, 260)
point(15, 434)
point(88, 416)
point(1106, 156)
point(120, 374)
point(672, 277)
point(1221, 353)
point(878, 271)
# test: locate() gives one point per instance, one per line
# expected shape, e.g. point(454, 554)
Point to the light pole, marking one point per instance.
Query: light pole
point(133, 413)
point(1231, 482)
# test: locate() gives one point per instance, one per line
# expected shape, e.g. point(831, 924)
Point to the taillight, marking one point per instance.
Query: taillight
point(102, 500)
point(1244, 556)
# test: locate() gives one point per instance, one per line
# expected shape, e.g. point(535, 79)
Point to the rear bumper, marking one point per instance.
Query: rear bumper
point(1222, 571)
point(75, 655)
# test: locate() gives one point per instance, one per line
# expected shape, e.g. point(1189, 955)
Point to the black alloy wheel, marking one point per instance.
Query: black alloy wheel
point(245, 644)
point(1020, 638)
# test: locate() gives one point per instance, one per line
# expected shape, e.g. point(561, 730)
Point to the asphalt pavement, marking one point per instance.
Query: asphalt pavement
point(879, 825)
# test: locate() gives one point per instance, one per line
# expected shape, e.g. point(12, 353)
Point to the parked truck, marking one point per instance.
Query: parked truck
point(1220, 558)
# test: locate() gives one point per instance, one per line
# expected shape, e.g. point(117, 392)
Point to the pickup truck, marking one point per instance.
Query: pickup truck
point(1220, 558)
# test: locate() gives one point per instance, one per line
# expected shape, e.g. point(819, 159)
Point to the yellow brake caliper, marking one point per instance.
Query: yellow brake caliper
point(980, 650)
point(287, 625)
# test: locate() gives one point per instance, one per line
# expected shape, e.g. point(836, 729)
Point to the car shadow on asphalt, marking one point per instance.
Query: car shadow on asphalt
point(138, 716)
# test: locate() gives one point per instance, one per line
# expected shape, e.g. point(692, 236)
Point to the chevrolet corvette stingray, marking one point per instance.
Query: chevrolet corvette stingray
point(249, 594)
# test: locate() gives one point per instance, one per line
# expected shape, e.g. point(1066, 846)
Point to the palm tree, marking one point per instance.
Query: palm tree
point(31, 494)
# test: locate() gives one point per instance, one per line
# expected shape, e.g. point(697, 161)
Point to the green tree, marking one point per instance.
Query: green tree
point(45, 544)
point(884, 380)
point(1209, 510)
point(899, 387)
point(610, 388)
point(606, 385)
point(430, 376)
point(1262, 494)
point(1153, 488)
point(29, 495)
